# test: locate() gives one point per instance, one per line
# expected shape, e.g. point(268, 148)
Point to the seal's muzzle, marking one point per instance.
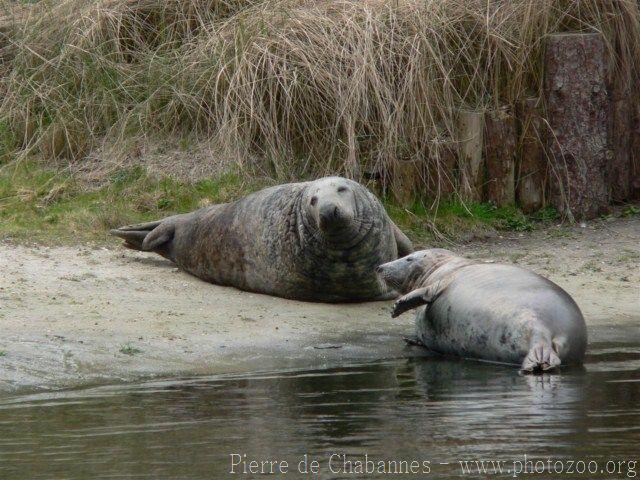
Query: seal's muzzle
point(402, 273)
point(330, 216)
point(392, 276)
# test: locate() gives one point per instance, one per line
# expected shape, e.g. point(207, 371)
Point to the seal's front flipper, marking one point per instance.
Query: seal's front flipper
point(413, 341)
point(408, 302)
point(417, 298)
point(541, 358)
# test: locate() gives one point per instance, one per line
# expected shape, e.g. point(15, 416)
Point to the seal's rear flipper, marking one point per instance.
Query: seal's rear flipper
point(151, 236)
point(541, 358)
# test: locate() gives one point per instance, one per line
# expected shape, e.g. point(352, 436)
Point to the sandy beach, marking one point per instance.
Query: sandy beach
point(78, 315)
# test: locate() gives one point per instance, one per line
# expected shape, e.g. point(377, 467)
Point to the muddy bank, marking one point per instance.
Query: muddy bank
point(77, 315)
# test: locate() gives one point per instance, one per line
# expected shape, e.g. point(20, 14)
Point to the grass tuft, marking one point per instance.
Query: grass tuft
point(630, 211)
point(128, 349)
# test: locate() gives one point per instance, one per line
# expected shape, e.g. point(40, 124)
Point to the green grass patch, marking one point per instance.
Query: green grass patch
point(3, 353)
point(630, 211)
point(38, 203)
point(48, 206)
point(504, 218)
point(129, 349)
point(455, 220)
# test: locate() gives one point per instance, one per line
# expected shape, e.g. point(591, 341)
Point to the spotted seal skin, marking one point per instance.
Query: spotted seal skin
point(315, 241)
point(494, 312)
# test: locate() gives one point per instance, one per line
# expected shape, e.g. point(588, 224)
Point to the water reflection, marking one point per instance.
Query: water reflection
point(432, 409)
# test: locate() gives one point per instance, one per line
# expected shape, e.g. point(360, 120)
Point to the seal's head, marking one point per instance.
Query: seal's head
point(331, 202)
point(404, 274)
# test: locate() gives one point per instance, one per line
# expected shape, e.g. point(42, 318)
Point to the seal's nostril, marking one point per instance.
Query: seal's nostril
point(336, 212)
point(378, 269)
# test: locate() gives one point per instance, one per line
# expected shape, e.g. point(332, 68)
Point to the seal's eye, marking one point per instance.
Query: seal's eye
point(409, 259)
point(342, 189)
point(314, 200)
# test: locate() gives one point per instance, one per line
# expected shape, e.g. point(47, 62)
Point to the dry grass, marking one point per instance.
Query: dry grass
point(304, 87)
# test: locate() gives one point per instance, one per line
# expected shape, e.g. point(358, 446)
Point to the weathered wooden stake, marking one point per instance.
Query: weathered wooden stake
point(406, 175)
point(441, 173)
point(619, 167)
point(532, 166)
point(500, 156)
point(578, 110)
point(471, 125)
point(634, 175)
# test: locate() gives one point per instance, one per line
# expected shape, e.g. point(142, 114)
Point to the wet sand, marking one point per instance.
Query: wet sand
point(72, 316)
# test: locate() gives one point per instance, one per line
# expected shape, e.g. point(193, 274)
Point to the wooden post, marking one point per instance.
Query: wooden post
point(500, 152)
point(441, 172)
point(578, 112)
point(619, 167)
point(470, 125)
point(406, 176)
point(634, 175)
point(532, 166)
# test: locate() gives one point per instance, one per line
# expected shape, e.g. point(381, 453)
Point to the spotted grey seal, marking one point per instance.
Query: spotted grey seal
point(315, 241)
point(494, 312)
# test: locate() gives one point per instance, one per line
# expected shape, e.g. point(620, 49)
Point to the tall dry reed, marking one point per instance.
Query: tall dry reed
point(307, 87)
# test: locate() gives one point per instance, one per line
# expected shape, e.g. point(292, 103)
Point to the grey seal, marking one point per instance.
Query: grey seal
point(314, 241)
point(494, 312)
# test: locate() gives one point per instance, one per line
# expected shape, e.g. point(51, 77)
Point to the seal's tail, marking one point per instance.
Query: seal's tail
point(151, 236)
point(542, 357)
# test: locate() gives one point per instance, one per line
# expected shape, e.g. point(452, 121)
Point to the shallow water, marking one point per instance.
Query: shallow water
point(432, 411)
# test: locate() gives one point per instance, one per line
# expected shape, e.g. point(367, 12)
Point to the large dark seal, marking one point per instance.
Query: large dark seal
point(316, 241)
point(495, 312)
